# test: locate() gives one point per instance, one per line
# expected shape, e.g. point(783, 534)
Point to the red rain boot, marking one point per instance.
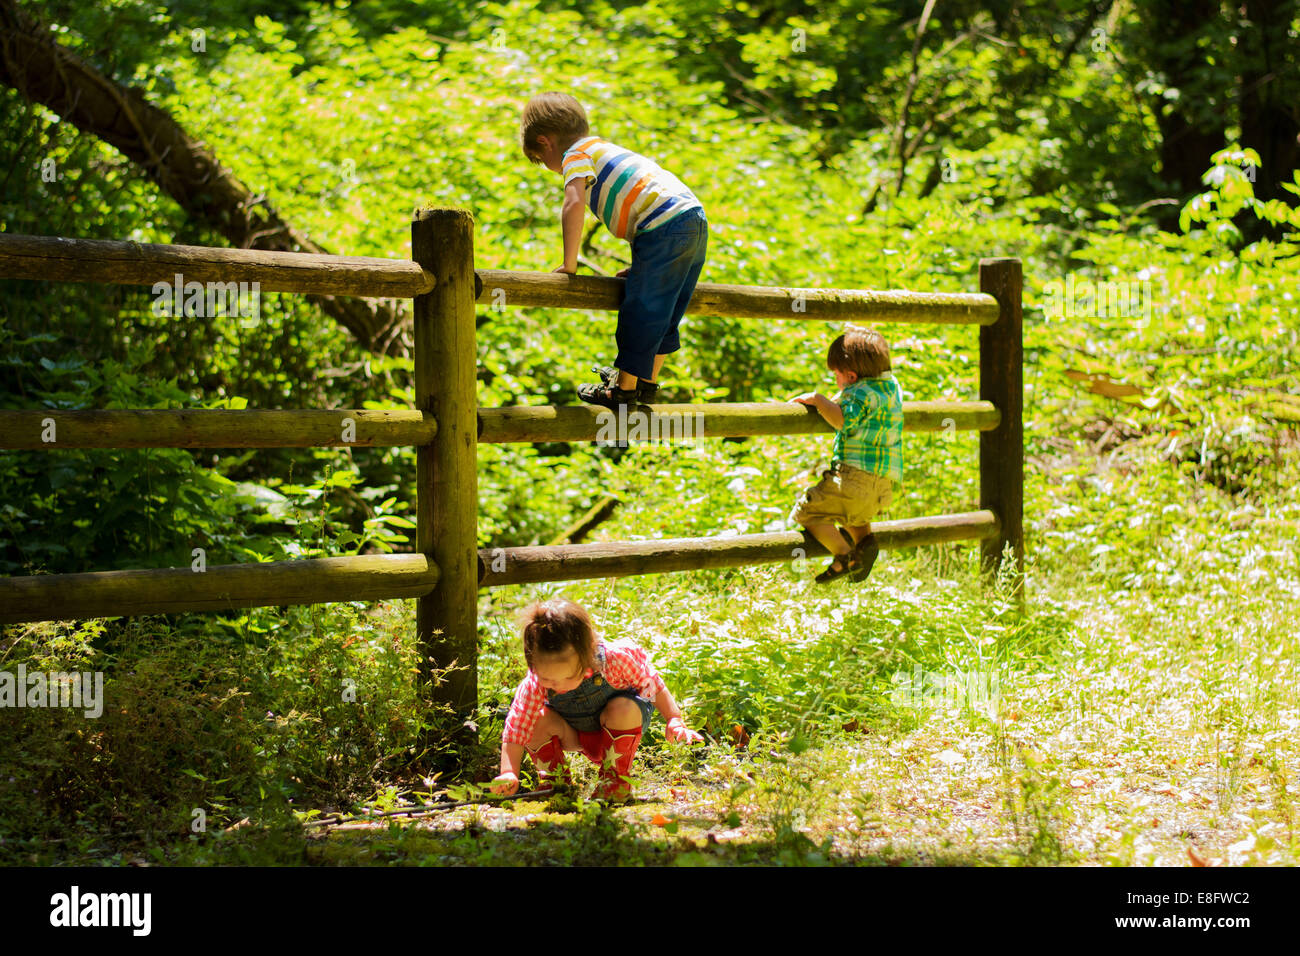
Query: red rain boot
point(620, 748)
point(548, 761)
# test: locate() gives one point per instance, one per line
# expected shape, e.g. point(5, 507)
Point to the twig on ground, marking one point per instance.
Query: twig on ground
point(425, 811)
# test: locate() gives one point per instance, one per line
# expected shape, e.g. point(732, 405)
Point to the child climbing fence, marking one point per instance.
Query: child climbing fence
point(447, 569)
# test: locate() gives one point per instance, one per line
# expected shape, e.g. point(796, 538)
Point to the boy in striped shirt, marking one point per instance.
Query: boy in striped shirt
point(866, 459)
point(637, 201)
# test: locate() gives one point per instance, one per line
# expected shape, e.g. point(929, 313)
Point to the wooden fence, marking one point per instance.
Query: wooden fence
point(447, 568)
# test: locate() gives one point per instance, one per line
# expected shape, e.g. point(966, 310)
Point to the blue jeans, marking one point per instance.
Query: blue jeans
point(666, 264)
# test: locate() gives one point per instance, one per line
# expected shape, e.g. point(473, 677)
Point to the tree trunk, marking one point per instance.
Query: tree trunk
point(1191, 128)
point(42, 71)
point(1269, 98)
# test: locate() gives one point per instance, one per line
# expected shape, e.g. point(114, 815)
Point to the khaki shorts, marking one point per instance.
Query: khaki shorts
point(845, 496)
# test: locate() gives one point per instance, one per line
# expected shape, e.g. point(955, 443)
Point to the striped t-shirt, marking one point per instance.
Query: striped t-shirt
point(629, 193)
point(872, 435)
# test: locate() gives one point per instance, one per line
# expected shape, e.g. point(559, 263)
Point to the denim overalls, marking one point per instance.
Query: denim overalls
point(581, 706)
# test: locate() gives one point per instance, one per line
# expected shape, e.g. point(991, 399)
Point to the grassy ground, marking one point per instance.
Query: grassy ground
point(1140, 709)
point(1164, 733)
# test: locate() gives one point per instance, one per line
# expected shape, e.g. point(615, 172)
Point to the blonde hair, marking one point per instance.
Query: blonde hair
point(551, 114)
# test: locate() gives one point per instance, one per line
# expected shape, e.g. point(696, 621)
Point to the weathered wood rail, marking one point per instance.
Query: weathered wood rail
point(448, 568)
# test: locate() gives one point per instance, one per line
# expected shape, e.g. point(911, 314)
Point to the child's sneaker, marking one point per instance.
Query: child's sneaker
point(609, 396)
point(645, 391)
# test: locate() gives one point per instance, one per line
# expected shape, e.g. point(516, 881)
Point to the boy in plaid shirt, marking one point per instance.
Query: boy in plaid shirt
point(582, 693)
point(866, 460)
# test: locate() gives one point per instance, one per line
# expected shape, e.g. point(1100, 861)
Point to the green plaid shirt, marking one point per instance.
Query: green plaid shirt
point(872, 436)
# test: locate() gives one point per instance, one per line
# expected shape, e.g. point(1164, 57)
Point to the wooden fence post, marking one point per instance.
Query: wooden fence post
point(446, 366)
point(1002, 461)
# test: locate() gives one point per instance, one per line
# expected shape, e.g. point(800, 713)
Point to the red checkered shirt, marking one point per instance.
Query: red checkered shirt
point(626, 665)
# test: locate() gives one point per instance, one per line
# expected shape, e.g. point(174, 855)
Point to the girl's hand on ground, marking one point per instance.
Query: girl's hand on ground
point(677, 730)
point(505, 784)
point(807, 398)
point(572, 272)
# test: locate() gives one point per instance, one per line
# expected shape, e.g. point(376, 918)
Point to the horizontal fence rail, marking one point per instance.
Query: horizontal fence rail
point(53, 429)
point(543, 423)
point(138, 263)
point(611, 559)
point(826, 305)
point(144, 263)
point(61, 597)
point(447, 424)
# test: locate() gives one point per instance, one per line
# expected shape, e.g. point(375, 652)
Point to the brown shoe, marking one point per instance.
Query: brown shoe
point(864, 557)
point(850, 562)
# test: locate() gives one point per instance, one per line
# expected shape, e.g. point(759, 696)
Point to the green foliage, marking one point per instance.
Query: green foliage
point(1160, 440)
point(120, 508)
point(229, 717)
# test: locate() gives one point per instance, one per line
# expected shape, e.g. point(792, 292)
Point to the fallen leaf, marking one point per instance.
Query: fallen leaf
point(1100, 384)
point(1196, 858)
point(660, 820)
